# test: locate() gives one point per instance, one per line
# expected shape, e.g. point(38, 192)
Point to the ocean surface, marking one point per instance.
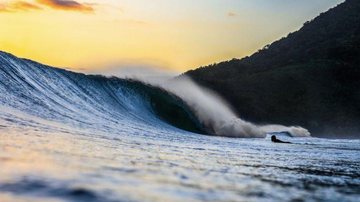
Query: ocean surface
point(72, 137)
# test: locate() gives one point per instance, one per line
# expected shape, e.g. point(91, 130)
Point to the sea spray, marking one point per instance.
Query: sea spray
point(212, 111)
point(295, 131)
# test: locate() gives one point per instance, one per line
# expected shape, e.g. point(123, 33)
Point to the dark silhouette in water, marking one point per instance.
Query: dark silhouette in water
point(275, 140)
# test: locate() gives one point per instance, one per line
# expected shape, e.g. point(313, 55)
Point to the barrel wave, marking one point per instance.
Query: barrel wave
point(33, 93)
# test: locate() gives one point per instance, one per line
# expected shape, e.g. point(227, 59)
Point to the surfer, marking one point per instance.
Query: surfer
point(275, 140)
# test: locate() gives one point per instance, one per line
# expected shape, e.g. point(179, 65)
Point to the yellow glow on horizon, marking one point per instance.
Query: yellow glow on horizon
point(114, 35)
point(45, 37)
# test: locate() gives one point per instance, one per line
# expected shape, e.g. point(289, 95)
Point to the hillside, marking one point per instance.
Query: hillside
point(309, 78)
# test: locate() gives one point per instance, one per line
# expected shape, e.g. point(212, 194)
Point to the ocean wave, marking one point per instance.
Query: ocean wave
point(98, 103)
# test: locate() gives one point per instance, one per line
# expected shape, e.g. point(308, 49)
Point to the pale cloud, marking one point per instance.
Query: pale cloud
point(67, 5)
point(18, 6)
point(232, 14)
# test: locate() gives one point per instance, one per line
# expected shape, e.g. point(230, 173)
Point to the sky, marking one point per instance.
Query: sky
point(178, 35)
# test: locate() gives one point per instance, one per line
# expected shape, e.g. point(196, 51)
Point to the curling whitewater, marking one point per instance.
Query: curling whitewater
point(71, 137)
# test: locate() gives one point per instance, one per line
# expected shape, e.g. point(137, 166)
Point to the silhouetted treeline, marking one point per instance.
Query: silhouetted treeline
point(309, 78)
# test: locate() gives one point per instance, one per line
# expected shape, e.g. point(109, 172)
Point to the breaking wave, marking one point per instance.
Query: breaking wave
point(88, 102)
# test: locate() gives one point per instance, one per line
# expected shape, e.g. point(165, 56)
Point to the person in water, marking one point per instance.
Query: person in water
point(274, 139)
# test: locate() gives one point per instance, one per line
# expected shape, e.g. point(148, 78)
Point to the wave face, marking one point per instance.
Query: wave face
point(48, 96)
point(63, 98)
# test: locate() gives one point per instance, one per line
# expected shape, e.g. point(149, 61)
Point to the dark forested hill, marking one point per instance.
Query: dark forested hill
point(310, 78)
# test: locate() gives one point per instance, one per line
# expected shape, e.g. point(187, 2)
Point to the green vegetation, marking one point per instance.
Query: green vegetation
point(310, 78)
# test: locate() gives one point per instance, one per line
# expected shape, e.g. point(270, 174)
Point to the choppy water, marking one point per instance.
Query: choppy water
point(71, 137)
point(49, 166)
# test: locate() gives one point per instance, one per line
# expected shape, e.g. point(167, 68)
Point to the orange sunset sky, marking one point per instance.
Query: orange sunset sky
point(92, 35)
